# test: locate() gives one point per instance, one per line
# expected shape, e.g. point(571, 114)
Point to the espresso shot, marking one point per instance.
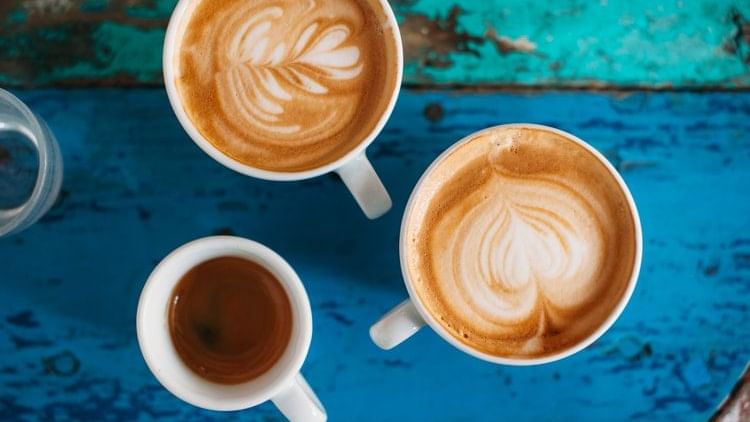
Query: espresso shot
point(230, 320)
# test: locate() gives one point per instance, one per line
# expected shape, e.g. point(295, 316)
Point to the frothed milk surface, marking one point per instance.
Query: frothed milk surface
point(520, 242)
point(286, 85)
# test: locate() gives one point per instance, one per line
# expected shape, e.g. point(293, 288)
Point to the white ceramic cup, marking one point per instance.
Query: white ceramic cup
point(407, 318)
point(354, 168)
point(283, 384)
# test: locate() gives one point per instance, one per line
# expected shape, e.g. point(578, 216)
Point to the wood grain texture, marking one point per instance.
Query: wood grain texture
point(568, 43)
point(136, 187)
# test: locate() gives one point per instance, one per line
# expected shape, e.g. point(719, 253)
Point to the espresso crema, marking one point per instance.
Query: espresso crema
point(520, 242)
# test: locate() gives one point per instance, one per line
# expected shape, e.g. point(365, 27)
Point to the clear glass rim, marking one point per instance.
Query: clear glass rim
point(14, 219)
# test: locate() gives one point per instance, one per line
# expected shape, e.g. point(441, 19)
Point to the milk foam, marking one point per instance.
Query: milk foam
point(516, 255)
point(522, 244)
point(266, 74)
point(287, 81)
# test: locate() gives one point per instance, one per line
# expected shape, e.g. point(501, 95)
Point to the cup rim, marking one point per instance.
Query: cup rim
point(591, 338)
point(170, 41)
point(293, 287)
point(17, 218)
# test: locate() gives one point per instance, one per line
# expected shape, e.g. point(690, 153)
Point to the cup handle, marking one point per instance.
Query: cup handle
point(366, 187)
point(399, 324)
point(299, 403)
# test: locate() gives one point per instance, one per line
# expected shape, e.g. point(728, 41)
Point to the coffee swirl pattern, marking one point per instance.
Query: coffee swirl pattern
point(285, 85)
point(521, 251)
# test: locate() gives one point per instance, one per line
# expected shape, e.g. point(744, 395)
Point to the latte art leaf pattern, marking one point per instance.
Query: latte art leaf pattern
point(266, 74)
point(287, 85)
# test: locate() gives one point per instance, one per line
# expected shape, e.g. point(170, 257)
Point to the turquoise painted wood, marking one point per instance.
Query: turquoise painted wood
point(136, 187)
point(563, 43)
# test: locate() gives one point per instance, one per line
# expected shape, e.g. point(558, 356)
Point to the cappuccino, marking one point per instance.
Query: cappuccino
point(520, 242)
point(286, 85)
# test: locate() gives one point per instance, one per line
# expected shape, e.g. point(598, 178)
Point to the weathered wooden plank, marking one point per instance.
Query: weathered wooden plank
point(566, 43)
point(136, 187)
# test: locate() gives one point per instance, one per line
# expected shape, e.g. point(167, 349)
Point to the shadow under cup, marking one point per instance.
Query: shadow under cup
point(160, 354)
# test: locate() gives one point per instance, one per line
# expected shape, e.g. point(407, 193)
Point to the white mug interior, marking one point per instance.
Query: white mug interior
point(175, 31)
point(435, 325)
point(156, 343)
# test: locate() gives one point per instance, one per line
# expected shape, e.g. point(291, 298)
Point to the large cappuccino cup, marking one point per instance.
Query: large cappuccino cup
point(287, 90)
point(520, 245)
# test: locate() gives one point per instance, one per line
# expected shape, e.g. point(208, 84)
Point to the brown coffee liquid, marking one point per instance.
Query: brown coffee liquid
point(230, 320)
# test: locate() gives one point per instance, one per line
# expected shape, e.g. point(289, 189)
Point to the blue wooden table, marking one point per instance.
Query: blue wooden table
point(136, 187)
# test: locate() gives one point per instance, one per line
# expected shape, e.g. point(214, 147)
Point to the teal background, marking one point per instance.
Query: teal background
point(696, 44)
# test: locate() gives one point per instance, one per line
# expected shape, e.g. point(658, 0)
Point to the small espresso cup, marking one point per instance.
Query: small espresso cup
point(354, 168)
point(407, 318)
point(282, 384)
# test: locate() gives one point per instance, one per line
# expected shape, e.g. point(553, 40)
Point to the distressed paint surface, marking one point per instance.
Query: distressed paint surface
point(567, 43)
point(136, 187)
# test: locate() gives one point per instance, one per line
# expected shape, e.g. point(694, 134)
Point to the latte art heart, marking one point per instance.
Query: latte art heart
point(517, 242)
point(286, 85)
point(507, 257)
